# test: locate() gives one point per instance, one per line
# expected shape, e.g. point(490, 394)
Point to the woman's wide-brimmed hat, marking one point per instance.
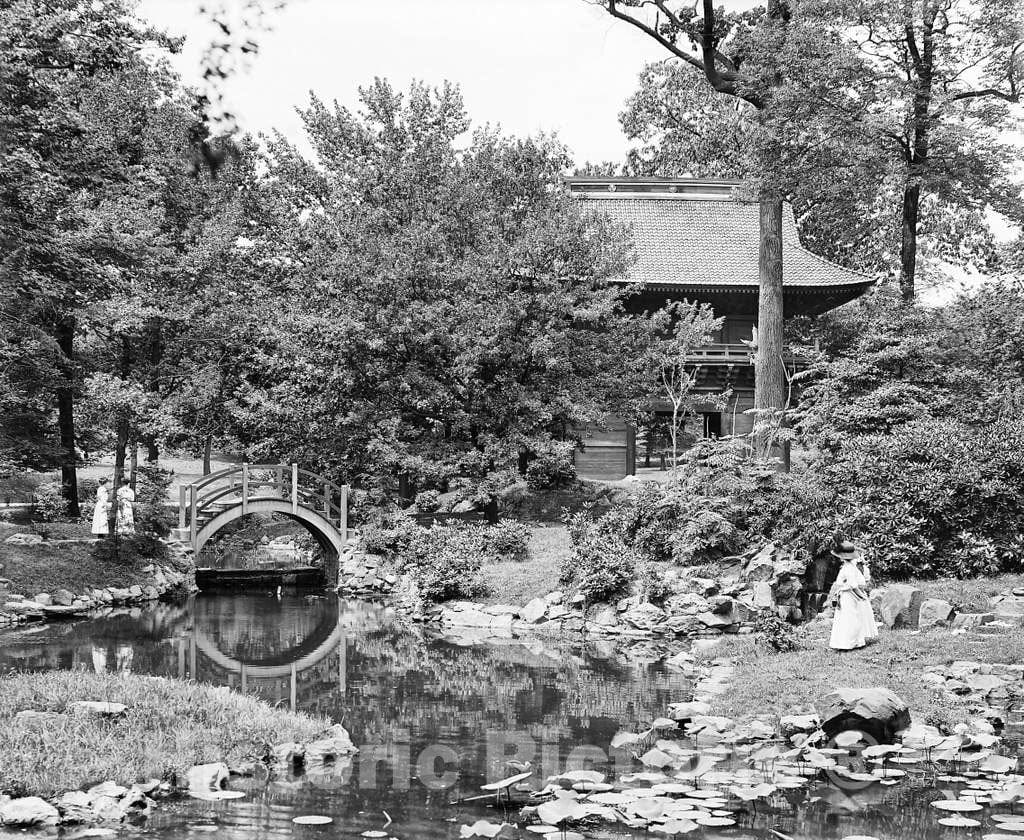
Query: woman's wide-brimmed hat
point(103, 480)
point(846, 550)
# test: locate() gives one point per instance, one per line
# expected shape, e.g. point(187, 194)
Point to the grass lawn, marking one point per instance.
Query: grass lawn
point(968, 595)
point(46, 568)
point(517, 582)
point(169, 727)
point(778, 683)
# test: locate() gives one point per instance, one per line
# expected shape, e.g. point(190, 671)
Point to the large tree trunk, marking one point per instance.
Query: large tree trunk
point(908, 244)
point(769, 367)
point(66, 416)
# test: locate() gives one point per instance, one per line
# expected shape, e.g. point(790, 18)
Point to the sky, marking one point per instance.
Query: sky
point(528, 65)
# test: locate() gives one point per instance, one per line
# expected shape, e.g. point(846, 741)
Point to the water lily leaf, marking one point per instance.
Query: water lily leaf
point(582, 776)
point(878, 750)
point(998, 764)
point(959, 822)
point(848, 738)
point(506, 783)
point(313, 819)
point(612, 798)
point(483, 828)
point(676, 827)
point(672, 788)
point(716, 822)
point(627, 739)
point(664, 723)
point(630, 778)
point(561, 810)
point(958, 805)
point(542, 829)
point(656, 758)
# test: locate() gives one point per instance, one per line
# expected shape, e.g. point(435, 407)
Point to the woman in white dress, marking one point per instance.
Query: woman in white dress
point(854, 622)
point(125, 523)
point(101, 511)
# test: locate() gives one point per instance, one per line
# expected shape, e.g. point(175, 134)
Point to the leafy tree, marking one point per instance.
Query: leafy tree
point(678, 329)
point(60, 179)
point(443, 303)
point(782, 64)
point(940, 78)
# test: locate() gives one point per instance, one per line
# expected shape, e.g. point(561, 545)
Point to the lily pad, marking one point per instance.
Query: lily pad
point(957, 805)
point(507, 783)
point(959, 822)
point(313, 819)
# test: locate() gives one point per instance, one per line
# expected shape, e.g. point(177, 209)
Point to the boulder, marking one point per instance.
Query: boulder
point(555, 597)
point(534, 610)
point(687, 711)
point(898, 605)
point(44, 599)
point(338, 742)
point(63, 598)
point(790, 725)
point(761, 596)
point(877, 712)
point(24, 539)
point(97, 707)
point(971, 620)
point(603, 615)
point(28, 810)
point(935, 613)
point(207, 777)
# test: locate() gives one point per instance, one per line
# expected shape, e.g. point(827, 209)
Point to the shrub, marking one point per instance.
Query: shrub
point(87, 491)
point(552, 467)
point(19, 487)
point(428, 501)
point(601, 566)
point(774, 633)
point(933, 498)
point(152, 513)
point(48, 503)
point(390, 536)
point(506, 541)
point(445, 561)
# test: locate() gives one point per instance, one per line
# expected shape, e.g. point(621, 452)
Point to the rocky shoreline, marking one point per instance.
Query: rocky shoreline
point(47, 606)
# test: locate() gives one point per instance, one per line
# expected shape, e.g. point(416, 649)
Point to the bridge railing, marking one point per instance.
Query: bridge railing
point(203, 499)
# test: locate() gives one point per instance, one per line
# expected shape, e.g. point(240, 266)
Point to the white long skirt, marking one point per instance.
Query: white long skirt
point(849, 627)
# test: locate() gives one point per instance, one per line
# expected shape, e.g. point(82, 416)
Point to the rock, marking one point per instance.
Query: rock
point(28, 810)
point(761, 596)
point(96, 707)
point(63, 598)
point(709, 619)
point(555, 597)
point(898, 605)
point(207, 777)
point(44, 599)
point(534, 610)
point(603, 615)
point(790, 725)
point(687, 711)
point(557, 611)
point(465, 506)
point(336, 743)
point(135, 804)
point(934, 613)
point(108, 788)
point(971, 620)
point(878, 712)
point(644, 616)
point(107, 809)
point(24, 539)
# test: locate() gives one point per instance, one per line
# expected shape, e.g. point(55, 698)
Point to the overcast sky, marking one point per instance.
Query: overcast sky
point(530, 65)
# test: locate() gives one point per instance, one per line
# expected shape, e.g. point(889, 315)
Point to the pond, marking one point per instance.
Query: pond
point(434, 716)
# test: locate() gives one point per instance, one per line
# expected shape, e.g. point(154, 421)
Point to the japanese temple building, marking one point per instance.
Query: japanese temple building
point(696, 241)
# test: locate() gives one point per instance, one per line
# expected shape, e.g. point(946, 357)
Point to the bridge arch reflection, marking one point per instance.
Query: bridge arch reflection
point(256, 642)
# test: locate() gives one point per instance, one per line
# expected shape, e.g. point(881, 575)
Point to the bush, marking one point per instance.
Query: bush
point(774, 633)
point(19, 487)
point(445, 561)
point(601, 566)
point(48, 503)
point(87, 492)
point(507, 541)
point(552, 467)
point(152, 513)
point(390, 535)
point(428, 501)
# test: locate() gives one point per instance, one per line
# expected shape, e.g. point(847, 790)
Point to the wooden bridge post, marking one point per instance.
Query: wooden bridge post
point(343, 514)
point(279, 480)
point(182, 502)
point(245, 488)
point(192, 516)
point(327, 501)
point(295, 488)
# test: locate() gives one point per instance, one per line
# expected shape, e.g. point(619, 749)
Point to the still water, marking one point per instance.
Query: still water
point(434, 716)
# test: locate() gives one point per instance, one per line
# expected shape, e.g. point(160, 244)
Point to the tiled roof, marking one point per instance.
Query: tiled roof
point(706, 239)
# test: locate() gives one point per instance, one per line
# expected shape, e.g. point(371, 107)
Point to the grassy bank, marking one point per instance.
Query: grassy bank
point(516, 582)
point(778, 683)
point(971, 595)
point(169, 727)
point(73, 566)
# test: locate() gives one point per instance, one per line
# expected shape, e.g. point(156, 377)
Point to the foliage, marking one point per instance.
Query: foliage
point(601, 566)
point(19, 486)
point(774, 633)
point(49, 503)
point(152, 515)
point(469, 298)
point(445, 561)
point(428, 501)
point(389, 535)
point(507, 540)
point(553, 467)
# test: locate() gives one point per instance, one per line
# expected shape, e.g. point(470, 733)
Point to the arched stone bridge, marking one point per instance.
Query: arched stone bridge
point(207, 505)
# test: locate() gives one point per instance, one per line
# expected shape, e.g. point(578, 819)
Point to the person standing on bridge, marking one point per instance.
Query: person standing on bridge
point(125, 523)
